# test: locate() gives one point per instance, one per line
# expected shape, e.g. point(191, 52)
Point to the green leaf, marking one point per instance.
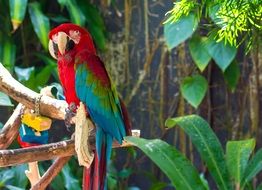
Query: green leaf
point(5, 100)
point(237, 155)
point(204, 181)
point(207, 145)
point(19, 180)
point(1, 125)
point(158, 186)
point(58, 182)
point(253, 168)
point(6, 175)
point(199, 52)
point(99, 37)
point(95, 22)
point(7, 52)
point(43, 76)
point(11, 187)
point(222, 53)
point(71, 183)
point(17, 12)
point(193, 89)
point(231, 75)
point(50, 62)
point(40, 23)
point(23, 74)
point(178, 32)
point(175, 165)
point(75, 12)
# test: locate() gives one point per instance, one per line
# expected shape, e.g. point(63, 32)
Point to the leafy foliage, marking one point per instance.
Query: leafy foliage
point(226, 25)
point(169, 160)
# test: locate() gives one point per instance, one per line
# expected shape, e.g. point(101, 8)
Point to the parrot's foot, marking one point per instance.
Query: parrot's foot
point(70, 113)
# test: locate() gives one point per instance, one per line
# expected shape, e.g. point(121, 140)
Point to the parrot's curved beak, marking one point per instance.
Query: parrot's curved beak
point(62, 39)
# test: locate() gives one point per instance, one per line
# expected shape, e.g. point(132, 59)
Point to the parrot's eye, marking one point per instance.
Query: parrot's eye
point(70, 45)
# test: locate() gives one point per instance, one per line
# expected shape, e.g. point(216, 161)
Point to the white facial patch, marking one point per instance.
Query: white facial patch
point(75, 35)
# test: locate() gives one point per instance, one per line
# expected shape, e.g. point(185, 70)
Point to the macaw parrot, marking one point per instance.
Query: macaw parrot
point(84, 78)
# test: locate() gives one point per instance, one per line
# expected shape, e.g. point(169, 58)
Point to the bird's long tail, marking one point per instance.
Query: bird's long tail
point(94, 177)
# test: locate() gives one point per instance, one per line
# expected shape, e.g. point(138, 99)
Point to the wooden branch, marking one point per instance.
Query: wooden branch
point(51, 173)
point(10, 130)
point(33, 173)
point(37, 153)
point(48, 106)
point(48, 151)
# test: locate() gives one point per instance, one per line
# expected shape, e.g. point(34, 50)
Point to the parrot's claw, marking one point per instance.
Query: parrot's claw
point(69, 114)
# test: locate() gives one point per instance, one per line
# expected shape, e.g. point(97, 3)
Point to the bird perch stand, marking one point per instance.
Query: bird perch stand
point(60, 151)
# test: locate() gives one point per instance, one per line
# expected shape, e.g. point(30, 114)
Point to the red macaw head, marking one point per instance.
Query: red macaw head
point(69, 38)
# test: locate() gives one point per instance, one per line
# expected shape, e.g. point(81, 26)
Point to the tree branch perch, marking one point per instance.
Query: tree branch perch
point(48, 106)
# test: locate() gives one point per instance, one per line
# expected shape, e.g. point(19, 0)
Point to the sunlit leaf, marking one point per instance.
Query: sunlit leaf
point(193, 89)
point(208, 146)
point(5, 100)
point(222, 53)
point(253, 168)
point(237, 155)
point(17, 12)
point(175, 165)
point(231, 75)
point(177, 32)
point(40, 23)
point(199, 52)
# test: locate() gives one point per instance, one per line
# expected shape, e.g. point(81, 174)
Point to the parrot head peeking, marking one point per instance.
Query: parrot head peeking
point(68, 39)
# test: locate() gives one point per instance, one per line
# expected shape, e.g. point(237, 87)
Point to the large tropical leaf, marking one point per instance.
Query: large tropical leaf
point(237, 155)
point(253, 168)
point(40, 23)
point(176, 166)
point(207, 145)
point(17, 12)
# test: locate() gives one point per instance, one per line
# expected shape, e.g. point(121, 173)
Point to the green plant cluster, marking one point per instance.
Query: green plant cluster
point(232, 169)
point(228, 24)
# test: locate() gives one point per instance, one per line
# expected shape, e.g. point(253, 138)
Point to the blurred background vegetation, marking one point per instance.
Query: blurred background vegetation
point(203, 57)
